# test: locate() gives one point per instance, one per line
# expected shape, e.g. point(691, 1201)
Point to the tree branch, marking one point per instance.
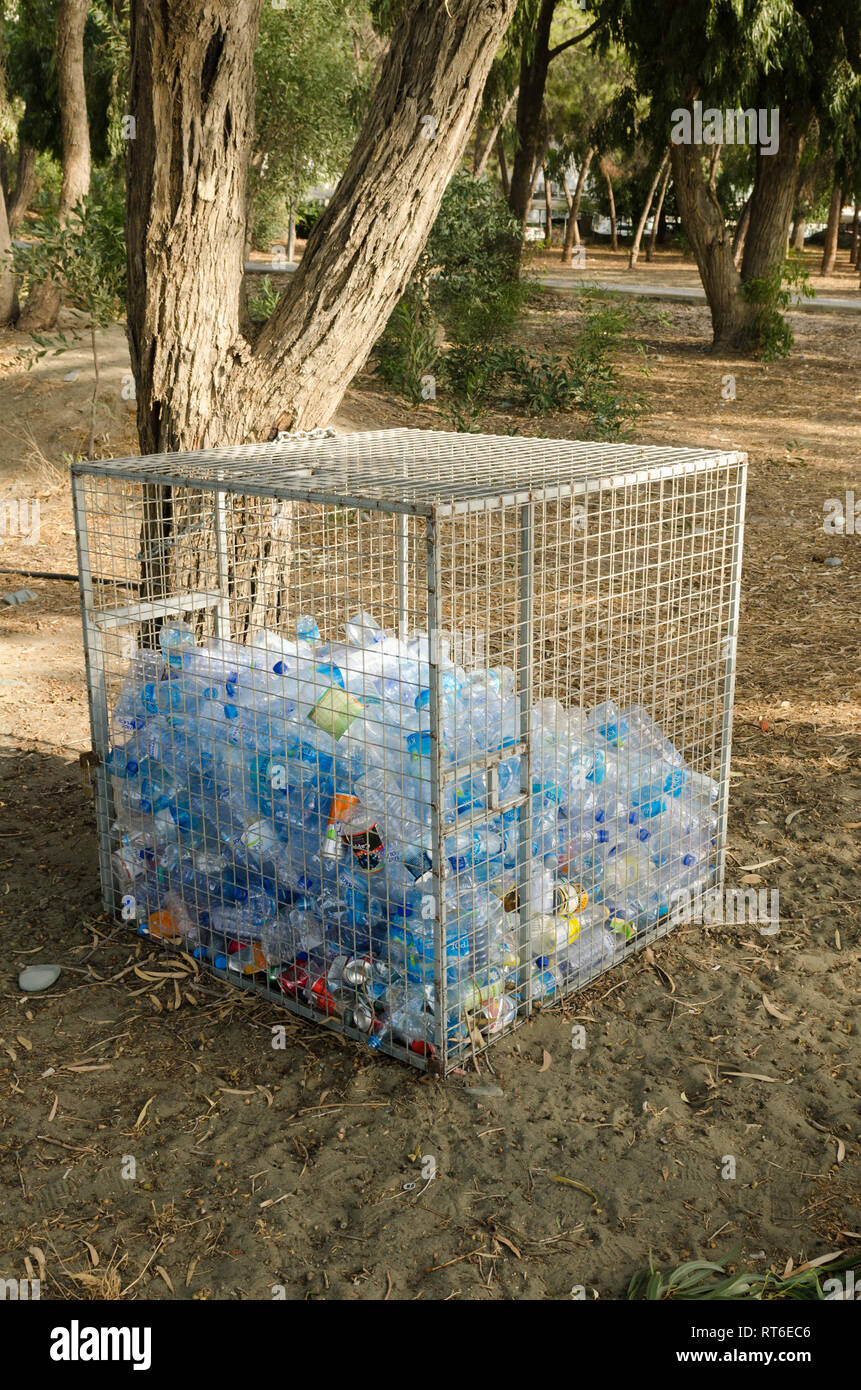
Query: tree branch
point(578, 38)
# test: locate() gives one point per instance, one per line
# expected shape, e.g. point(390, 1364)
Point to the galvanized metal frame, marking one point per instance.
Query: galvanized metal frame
point(316, 472)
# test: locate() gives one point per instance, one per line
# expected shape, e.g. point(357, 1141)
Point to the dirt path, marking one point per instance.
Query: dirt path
point(306, 1166)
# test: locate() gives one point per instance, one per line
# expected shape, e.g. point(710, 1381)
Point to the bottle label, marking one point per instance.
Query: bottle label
point(368, 848)
point(334, 712)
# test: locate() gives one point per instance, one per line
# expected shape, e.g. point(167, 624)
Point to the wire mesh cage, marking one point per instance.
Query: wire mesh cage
point(411, 732)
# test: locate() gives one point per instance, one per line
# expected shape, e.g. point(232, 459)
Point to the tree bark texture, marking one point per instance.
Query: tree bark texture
point(772, 200)
point(572, 234)
point(644, 215)
point(499, 145)
point(199, 382)
point(74, 125)
point(653, 235)
point(483, 155)
point(21, 196)
point(8, 287)
point(548, 208)
point(706, 230)
point(534, 63)
point(832, 230)
point(799, 232)
point(611, 197)
point(740, 235)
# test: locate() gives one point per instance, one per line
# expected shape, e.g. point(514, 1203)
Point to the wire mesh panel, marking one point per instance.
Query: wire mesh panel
point(411, 732)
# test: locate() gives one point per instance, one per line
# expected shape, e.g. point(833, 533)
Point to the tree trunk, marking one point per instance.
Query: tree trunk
point(832, 230)
point(41, 308)
point(853, 252)
point(74, 126)
point(772, 201)
point(199, 382)
point(706, 230)
point(477, 144)
point(653, 235)
point(548, 208)
point(572, 235)
point(644, 215)
point(25, 184)
point(534, 63)
point(503, 165)
point(741, 234)
point(799, 232)
point(8, 287)
point(614, 234)
point(489, 144)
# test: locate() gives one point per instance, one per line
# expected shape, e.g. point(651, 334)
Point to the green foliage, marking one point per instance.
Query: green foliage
point(32, 74)
point(49, 181)
point(703, 1280)
point(475, 377)
point(309, 99)
point(469, 268)
point(308, 213)
point(263, 299)
point(771, 336)
point(86, 257)
point(409, 348)
point(466, 287)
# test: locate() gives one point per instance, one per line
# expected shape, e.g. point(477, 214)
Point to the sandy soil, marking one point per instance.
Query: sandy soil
point(561, 1167)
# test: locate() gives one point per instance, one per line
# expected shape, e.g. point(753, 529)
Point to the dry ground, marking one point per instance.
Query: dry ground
point(303, 1166)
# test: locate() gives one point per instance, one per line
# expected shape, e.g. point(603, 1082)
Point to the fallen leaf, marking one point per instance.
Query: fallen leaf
point(751, 878)
point(837, 941)
point(754, 1076)
point(841, 1151)
point(94, 1254)
point(503, 1240)
point(547, 1060)
point(581, 1187)
point(774, 1011)
point(822, 1260)
point(139, 1121)
point(791, 817)
point(160, 1269)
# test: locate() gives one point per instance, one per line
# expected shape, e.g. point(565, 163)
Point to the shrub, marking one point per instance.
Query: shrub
point(770, 335)
point(471, 263)
point(408, 349)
